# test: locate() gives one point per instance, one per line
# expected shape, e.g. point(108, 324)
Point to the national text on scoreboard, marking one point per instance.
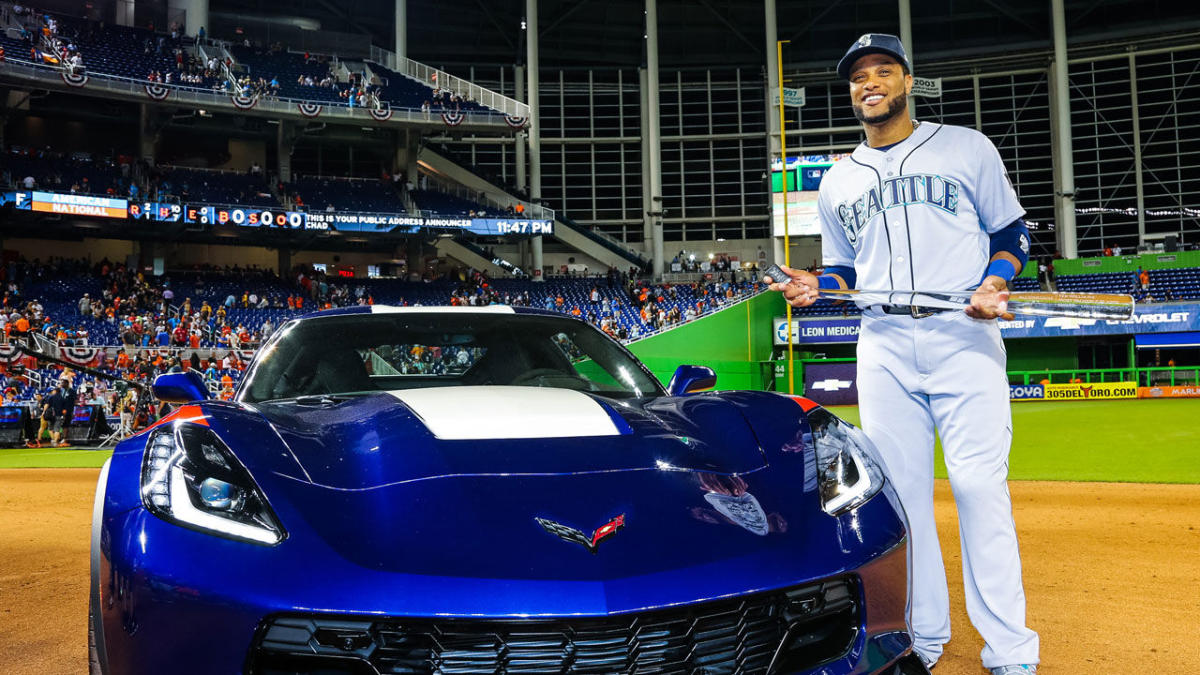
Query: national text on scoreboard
point(67, 204)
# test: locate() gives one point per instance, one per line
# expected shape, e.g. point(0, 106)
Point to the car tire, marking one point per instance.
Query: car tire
point(94, 667)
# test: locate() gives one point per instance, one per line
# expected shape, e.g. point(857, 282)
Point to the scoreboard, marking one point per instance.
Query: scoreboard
point(249, 216)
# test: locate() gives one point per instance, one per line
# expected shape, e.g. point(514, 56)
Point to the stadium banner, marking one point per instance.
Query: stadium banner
point(453, 118)
point(399, 223)
point(1090, 391)
point(1170, 391)
point(1026, 392)
point(66, 204)
point(816, 331)
point(831, 383)
point(1147, 318)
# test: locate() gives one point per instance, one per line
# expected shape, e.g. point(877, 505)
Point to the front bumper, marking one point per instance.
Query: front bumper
point(160, 614)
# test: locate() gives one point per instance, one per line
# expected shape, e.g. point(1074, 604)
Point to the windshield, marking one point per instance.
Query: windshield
point(363, 353)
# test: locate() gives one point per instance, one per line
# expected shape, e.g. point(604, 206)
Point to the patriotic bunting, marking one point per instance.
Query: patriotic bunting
point(81, 356)
point(382, 113)
point(243, 102)
point(158, 92)
point(75, 79)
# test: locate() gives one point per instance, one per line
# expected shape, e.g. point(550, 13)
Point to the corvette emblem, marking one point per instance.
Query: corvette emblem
point(571, 534)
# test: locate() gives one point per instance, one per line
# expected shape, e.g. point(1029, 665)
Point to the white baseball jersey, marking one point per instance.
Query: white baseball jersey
point(917, 215)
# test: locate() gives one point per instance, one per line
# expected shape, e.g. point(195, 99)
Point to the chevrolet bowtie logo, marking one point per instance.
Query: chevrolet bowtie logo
point(568, 533)
point(831, 384)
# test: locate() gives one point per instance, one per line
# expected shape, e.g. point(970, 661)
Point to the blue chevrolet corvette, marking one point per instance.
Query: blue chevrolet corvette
point(491, 490)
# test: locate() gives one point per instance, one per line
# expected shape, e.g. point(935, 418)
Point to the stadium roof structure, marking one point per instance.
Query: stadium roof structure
point(699, 33)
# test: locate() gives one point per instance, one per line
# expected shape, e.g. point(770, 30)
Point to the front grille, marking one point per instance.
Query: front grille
point(797, 629)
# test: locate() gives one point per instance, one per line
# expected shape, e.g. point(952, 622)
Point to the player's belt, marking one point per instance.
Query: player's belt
point(915, 311)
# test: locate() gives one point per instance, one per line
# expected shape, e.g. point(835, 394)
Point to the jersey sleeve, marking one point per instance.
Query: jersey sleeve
point(995, 198)
point(836, 250)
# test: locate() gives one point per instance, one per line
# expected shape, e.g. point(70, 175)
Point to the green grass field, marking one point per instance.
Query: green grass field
point(1144, 441)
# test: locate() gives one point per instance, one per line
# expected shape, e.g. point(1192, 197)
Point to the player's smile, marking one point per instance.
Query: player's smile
point(872, 100)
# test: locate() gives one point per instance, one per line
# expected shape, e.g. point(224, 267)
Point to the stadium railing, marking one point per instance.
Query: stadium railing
point(433, 77)
point(201, 97)
point(1145, 377)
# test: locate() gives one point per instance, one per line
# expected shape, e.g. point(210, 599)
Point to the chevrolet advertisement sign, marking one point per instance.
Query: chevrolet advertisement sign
point(1147, 318)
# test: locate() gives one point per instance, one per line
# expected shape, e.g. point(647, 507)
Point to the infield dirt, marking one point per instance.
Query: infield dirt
point(1111, 573)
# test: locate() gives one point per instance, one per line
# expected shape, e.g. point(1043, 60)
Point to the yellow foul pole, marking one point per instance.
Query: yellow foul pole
point(787, 249)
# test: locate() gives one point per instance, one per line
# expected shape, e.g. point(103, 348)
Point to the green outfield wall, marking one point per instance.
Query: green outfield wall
point(735, 342)
point(1123, 263)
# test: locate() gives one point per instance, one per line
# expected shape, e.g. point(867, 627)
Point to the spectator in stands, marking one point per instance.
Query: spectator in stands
point(1144, 279)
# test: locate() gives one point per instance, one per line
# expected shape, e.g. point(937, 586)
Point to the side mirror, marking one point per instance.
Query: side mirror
point(179, 387)
point(691, 379)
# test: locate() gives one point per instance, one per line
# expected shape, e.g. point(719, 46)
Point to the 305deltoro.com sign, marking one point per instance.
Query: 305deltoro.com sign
point(1076, 391)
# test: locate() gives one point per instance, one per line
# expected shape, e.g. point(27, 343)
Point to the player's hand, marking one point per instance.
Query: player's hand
point(799, 291)
point(990, 300)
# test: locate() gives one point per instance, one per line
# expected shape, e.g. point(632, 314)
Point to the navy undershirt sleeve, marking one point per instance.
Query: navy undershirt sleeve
point(846, 273)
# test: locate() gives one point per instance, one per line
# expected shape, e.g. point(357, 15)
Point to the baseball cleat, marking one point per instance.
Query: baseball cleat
point(1027, 669)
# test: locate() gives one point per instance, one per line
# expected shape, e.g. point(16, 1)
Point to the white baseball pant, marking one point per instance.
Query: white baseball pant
point(947, 371)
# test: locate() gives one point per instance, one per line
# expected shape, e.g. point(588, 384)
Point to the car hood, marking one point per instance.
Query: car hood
point(399, 437)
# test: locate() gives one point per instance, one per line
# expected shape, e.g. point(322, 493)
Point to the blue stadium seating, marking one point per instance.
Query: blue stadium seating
point(347, 194)
point(216, 187)
point(125, 51)
point(287, 67)
point(55, 172)
point(443, 203)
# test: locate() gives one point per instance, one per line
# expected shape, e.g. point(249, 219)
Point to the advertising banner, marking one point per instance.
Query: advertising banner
point(1150, 318)
point(1026, 392)
point(1147, 318)
point(1170, 391)
point(1090, 391)
point(817, 331)
point(831, 383)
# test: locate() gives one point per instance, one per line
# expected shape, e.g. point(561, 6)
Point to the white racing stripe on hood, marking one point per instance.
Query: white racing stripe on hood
point(492, 412)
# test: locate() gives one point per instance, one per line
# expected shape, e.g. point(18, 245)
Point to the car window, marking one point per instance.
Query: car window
point(357, 353)
point(390, 360)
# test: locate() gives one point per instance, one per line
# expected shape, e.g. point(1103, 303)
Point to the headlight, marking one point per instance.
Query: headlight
point(848, 467)
point(190, 477)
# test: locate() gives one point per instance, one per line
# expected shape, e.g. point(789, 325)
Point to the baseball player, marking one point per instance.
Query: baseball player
point(929, 206)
